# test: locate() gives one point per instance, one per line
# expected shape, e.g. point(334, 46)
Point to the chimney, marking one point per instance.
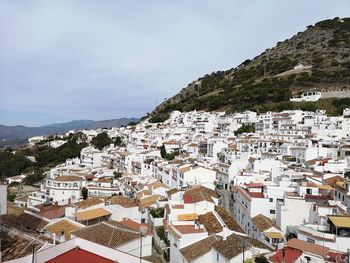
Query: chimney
point(54, 239)
point(56, 204)
point(223, 237)
point(105, 199)
point(69, 201)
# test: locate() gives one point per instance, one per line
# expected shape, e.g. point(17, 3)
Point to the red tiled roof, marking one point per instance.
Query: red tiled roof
point(53, 212)
point(254, 185)
point(134, 225)
point(188, 199)
point(291, 255)
point(318, 197)
point(333, 256)
point(256, 195)
point(79, 255)
point(188, 229)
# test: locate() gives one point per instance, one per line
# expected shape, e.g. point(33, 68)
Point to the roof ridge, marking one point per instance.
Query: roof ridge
point(123, 228)
point(110, 239)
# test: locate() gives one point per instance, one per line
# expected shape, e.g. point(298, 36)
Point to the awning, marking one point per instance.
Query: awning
point(187, 217)
point(92, 214)
point(340, 221)
point(276, 235)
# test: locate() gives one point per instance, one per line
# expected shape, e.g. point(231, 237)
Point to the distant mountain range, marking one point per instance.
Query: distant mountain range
point(13, 135)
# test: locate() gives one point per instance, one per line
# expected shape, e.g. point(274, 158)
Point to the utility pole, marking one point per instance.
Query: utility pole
point(33, 258)
point(140, 246)
point(243, 250)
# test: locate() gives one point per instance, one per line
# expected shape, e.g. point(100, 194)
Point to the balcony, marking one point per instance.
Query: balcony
point(317, 232)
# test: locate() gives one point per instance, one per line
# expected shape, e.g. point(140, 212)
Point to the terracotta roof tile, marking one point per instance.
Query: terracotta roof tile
point(92, 214)
point(122, 201)
point(263, 223)
point(17, 246)
point(308, 247)
point(228, 219)
point(198, 194)
point(91, 201)
point(199, 248)
point(232, 246)
point(210, 222)
point(63, 227)
point(107, 235)
point(68, 178)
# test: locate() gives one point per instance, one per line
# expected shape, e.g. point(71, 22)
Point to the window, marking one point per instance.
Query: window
point(270, 200)
point(308, 191)
point(279, 199)
point(272, 211)
point(310, 240)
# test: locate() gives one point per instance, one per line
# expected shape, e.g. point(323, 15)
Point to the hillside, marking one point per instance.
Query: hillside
point(269, 80)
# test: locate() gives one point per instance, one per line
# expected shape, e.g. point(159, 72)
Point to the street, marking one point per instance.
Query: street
point(227, 202)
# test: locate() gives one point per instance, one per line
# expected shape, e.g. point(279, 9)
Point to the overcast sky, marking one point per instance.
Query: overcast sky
point(79, 59)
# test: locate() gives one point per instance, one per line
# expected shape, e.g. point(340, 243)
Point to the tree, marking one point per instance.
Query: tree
point(117, 175)
point(163, 151)
point(245, 128)
point(84, 193)
point(101, 140)
point(347, 174)
point(160, 117)
point(157, 212)
point(261, 259)
point(118, 141)
point(35, 177)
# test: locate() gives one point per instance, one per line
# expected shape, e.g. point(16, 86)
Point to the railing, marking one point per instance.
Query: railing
point(317, 233)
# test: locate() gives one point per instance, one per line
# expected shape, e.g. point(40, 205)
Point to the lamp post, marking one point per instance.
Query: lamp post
point(143, 232)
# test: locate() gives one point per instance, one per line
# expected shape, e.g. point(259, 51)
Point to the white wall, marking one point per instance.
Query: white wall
point(294, 212)
point(3, 199)
point(133, 247)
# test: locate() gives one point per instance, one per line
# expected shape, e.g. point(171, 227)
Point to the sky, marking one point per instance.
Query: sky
point(64, 60)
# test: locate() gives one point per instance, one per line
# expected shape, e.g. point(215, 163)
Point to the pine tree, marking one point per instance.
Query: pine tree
point(163, 151)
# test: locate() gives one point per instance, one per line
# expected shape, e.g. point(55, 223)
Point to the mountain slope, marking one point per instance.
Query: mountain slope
point(269, 80)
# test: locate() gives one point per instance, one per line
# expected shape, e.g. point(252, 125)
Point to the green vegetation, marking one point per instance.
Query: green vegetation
point(167, 156)
point(118, 141)
point(162, 151)
point(12, 164)
point(261, 259)
point(132, 123)
point(160, 232)
point(117, 175)
point(171, 156)
point(101, 140)
point(157, 212)
point(84, 193)
point(11, 197)
point(47, 156)
point(347, 174)
point(161, 117)
point(35, 176)
point(245, 128)
point(333, 106)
